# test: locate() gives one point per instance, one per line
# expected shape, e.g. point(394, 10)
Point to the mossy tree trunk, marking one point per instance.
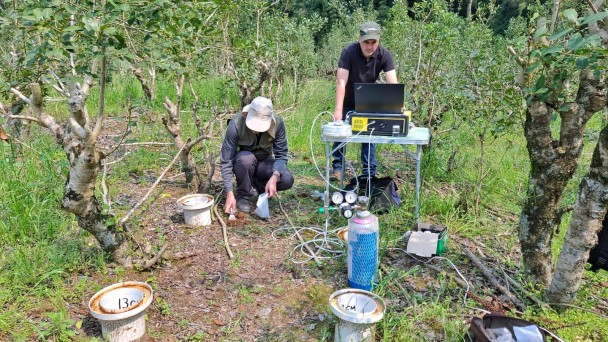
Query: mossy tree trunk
point(78, 138)
point(586, 222)
point(553, 163)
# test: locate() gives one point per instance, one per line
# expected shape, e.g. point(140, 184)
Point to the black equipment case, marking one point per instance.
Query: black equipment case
point(384, 124)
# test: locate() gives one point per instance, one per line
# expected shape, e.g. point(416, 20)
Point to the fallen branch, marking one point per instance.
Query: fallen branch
point(128, 216)
point(154, 260)
point(147, 143)
point(488, 274)
point(223, 224)
point(578, 308)
point(517, 285)
point(183, 255)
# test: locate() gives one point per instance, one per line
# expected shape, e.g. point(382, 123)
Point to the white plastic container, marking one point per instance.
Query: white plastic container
point(197, 209)
point(120, 310)
point(358, 311)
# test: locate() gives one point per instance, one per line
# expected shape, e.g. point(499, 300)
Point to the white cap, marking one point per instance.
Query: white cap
point(261, 114)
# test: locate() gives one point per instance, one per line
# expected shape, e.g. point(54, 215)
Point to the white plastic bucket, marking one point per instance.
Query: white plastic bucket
point(197, 209)
point(120, 310)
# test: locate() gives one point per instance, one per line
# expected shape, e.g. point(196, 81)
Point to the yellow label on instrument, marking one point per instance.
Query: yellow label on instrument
point(408, 113)
point(359, 124)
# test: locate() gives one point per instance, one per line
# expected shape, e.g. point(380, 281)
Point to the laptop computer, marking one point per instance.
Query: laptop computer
point(386, 98)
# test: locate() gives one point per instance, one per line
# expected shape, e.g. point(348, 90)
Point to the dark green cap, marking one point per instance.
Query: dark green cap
point(369, 30)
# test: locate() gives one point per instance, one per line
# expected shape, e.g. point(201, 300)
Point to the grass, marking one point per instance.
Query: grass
point(47, 260)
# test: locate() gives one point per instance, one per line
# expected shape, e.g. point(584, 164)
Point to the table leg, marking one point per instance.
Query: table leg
point(326, 193)
point(343, 168)
point(418, 161)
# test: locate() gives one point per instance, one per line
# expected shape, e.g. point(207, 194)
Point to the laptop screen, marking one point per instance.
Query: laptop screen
point(379, 97)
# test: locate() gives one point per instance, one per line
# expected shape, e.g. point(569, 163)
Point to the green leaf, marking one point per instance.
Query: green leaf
point(571, 15)
point(552, 49)
point(575, 42)
point(582, 63)
point(559, 34)
point(593, 40)
point(540, 32)
point(47, 12)
point(540, 83)
point(72, 28)
point(37, 14)
point(594, 18)
point(533, 66)
point(109, 31)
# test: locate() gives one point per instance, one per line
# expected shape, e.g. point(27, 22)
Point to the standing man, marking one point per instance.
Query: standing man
point(360, 62)
point(255, 151)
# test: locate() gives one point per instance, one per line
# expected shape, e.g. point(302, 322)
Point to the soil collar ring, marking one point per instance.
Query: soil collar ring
point(197, 209)
point(120, 310)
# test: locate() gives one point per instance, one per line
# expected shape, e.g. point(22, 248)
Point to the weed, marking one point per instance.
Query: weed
point(163, 306)
point(318, 295)
point(230, 328)
point(237, 262)
point(197, 337)
point(59, 326)
point(245, 296)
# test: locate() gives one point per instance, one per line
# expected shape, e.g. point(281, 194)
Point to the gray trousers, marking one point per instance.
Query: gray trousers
point(251, 172)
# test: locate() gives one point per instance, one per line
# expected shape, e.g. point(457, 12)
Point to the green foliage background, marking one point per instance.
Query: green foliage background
point(460, 82)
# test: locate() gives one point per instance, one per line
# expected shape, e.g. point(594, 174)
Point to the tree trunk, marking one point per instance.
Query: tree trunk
point(586, 222)
point(554, 14)
point(469, 9)
point(79, 143)
point(79, 195)
point(553, 162)
point(172, 123)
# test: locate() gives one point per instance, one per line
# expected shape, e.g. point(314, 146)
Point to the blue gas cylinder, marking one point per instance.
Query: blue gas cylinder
point(363, 238)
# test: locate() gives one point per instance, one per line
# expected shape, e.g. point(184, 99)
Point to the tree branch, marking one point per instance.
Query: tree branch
point(488, 274)
point(21, 96)
point(64, 90)
point(24, 117)
point(122, 138)
point(130, 213)
point(554, 14)
point(78, 130)
point(593, 8)
point(223, 224)
point(155, 259)
point(102, 97)
point(519, 60)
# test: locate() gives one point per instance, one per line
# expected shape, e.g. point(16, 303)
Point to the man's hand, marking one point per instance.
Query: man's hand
point(230, 203)
point(271, 186)
point(337, 114)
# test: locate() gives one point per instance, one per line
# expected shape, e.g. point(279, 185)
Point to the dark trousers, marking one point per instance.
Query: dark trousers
point(251, 172)
point(368, 155)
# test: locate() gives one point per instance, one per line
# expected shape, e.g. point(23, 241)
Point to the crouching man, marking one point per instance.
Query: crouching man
point(255, 151)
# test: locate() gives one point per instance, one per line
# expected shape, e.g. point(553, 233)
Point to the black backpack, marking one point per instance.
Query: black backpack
point(598, 257)
point(383, 196)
